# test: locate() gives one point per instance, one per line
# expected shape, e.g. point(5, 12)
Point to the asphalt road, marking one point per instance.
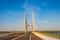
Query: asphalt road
point(27, 36)
point(34, 37)
point(9, 37)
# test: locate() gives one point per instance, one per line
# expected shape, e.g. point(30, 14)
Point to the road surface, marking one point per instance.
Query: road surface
point(9, 37)
point(27, 36)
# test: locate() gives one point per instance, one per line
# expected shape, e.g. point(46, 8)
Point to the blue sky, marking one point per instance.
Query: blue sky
point(46, 14)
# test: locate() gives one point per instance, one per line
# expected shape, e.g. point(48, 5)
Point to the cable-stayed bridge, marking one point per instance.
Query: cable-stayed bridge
point(29, 34)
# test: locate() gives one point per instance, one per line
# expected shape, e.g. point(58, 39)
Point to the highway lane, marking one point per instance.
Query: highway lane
point(27, 36)
point(34, 37)
point(9, 37)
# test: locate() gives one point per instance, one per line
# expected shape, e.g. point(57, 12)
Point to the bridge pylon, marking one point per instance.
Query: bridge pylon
point(26, 25)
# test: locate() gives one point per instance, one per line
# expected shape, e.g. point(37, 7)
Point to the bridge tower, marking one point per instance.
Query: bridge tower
point(28, 25)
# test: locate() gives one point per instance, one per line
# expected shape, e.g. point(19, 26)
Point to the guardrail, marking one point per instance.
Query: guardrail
point(57, 36)
point(52, 35)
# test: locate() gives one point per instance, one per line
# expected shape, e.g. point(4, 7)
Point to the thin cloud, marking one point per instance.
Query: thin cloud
point(13, 13)
point(25, 5)
point(44, 4)
point(30, 7)
point(45, 21)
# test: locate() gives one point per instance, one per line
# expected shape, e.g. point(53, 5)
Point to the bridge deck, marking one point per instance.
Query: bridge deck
point(29, 36)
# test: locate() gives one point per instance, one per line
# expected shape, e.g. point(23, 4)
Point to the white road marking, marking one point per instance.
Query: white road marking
point(11, 36)
point(18, 37)
point(30, 37)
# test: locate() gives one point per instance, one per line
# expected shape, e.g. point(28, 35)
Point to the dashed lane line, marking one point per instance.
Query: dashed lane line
point(30, 37)
point(18, 37)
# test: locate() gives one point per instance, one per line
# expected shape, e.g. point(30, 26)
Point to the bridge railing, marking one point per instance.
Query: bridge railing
point(57, 36)
point(52, 35)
